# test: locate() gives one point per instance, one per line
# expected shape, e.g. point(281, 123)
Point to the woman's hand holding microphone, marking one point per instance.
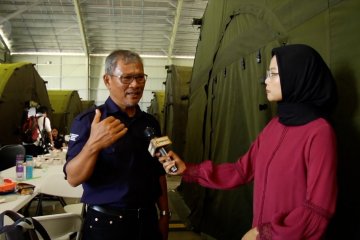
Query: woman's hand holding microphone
point(172, 159)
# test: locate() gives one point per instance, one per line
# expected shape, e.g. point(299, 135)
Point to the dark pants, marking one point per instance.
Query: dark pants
point(32, 149)
point(100, 226)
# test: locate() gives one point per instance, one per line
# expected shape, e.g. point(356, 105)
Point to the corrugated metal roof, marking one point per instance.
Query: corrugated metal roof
point(150, 27)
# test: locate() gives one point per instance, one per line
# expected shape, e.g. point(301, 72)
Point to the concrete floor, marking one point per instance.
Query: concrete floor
point(178, 228)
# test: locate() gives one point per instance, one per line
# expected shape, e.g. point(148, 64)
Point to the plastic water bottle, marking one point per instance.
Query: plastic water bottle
point(29, 166)
point(19, 167)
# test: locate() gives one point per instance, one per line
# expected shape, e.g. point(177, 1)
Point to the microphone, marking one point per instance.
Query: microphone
point(158, 143)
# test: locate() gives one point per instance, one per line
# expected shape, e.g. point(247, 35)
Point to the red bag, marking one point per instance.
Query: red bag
point(30, 130)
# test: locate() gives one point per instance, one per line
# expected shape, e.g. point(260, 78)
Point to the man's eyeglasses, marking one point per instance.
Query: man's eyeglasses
point(270, 74)
point(127, 79)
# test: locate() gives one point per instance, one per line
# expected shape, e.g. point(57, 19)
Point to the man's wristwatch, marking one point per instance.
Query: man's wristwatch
point(165, 213)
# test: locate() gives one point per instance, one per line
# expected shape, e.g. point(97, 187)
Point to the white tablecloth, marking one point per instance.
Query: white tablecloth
point(16, 201)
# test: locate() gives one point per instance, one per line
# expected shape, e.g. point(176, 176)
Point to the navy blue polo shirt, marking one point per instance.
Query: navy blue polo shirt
point(125, 175)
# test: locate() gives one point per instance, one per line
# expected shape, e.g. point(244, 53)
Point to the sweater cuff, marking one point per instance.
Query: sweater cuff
point(264, 232)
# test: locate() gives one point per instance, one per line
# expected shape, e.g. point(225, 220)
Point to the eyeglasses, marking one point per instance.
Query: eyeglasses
point(127, 79)
point(270, 74)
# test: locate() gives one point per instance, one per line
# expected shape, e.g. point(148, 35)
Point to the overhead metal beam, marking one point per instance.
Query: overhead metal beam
point(81, 27)
point(84, 43)
point(14, 14)
point(21, 10)
point(175, 28)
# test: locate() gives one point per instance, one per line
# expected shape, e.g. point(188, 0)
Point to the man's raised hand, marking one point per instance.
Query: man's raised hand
point(106, 132)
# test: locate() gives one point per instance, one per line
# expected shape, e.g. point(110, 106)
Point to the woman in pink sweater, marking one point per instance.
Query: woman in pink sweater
point(293, 160)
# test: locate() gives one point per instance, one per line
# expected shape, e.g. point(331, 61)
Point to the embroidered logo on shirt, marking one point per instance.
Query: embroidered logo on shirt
point(73, 137)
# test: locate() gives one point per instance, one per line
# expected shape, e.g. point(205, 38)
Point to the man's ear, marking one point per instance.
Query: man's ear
point(106, 79)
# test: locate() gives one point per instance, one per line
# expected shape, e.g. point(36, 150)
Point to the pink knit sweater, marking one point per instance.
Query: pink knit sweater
point(294, 174)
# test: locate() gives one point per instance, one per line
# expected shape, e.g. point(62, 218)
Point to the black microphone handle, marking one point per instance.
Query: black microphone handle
point(163, 153)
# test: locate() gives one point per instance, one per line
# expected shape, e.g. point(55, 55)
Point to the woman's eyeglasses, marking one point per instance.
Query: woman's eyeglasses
point(270, 74)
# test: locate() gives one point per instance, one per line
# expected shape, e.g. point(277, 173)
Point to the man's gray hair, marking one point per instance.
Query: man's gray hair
point(124, 55)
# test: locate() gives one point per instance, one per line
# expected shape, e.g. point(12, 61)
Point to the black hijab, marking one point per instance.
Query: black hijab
point(308, 88)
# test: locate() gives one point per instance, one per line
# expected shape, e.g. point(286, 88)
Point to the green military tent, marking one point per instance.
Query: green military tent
point(228, 106)
point(156, 107)
point(176, 105)
point(86, 104)
point(66, 105)
point(20, 83)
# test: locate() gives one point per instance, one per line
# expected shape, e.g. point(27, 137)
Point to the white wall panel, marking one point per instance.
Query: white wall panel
point(53, 82)
point(74, 60)
point(48, 60)
point(49, 70)
point(73, 83)
point(155, 84)
point(71, 73)
point(83, 93)
point(76, 70)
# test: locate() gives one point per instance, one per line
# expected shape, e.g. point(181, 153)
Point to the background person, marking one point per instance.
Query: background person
point(28, 128)
point(58, 139)
point(293, 160)
point(44, 123)
point(108, 155)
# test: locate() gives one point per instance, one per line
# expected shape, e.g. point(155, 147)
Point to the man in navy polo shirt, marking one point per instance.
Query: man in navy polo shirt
point(124, 185)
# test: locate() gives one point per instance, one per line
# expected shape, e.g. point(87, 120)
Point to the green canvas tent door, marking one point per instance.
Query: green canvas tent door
point(66, 105)
point(176, 105)
point(86, 104)
point(156, 107)
point(19, 84)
